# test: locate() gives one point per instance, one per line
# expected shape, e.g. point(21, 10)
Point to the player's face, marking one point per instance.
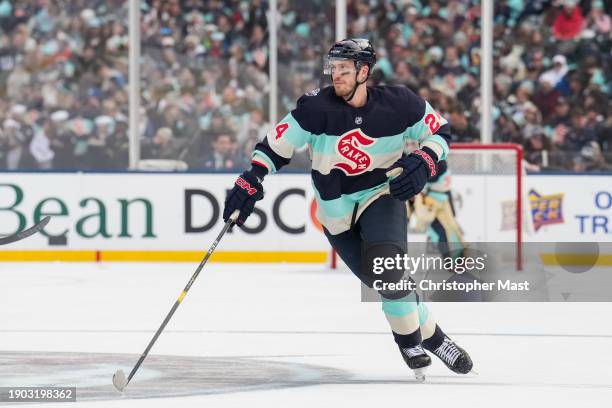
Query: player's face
point(343, 77)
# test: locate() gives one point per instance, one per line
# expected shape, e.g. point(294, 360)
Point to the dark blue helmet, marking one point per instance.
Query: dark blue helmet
point(359, 50)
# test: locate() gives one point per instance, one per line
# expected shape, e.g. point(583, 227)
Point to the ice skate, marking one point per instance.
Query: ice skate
point(417, 360)
point(453, 356)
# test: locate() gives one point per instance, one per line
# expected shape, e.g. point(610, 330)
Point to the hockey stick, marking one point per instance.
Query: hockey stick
point(25, 233)
point(119, 380)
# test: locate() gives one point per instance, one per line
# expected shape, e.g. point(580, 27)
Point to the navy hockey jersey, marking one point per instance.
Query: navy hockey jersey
point(352, 147)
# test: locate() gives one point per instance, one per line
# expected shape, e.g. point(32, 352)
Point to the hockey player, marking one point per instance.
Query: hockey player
point(356, 134)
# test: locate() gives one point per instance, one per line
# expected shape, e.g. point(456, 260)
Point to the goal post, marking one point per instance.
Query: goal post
point(494, 160)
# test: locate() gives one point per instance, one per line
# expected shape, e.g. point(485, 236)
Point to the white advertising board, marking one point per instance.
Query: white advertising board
point(563, 208)
point(182, 212)
point(155, 212)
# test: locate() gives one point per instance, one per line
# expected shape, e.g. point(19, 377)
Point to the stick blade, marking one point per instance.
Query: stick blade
point(25, 233)
point(119, 380)
point(43, 223)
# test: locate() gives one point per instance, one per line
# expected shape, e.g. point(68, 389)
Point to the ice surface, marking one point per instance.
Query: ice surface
point(281, 335)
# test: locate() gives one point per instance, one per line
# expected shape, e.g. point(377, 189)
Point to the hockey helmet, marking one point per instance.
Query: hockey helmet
point(359, 50)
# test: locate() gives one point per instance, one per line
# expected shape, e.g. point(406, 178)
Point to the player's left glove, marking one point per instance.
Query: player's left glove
point(440, 170)
point(417, 168)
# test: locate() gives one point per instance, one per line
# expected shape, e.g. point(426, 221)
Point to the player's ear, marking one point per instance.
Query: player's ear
point(364, 71)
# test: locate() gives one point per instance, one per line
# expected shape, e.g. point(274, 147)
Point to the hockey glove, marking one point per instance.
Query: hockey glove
point(440, 170)
point(246, 191)
point(417, 168)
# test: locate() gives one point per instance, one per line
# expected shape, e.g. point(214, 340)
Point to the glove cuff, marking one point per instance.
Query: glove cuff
point(440, 169)
point(430, 158)
point(259, 171)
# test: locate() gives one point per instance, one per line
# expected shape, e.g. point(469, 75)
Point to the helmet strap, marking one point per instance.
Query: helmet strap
point(357, 83)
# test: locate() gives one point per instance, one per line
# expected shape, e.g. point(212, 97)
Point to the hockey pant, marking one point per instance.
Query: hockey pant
point(385, 221)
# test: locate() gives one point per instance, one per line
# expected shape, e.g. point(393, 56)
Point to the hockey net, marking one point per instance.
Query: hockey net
point(487, 182)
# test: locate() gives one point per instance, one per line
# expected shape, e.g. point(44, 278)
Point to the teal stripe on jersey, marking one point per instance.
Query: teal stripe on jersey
point(441, 141)
point(421, 131)
point(295, 134)
point(336, 208)
point(343, 206)
point(387, 144)
point(326, 144)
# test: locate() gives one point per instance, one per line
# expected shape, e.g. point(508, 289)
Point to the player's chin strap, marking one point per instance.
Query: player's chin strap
point(357, 83)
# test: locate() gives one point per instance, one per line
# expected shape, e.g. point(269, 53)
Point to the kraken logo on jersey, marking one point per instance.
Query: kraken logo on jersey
point(348, 147)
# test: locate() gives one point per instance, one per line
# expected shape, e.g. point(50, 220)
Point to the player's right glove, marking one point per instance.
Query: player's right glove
point(246, 191)
point(417, 168)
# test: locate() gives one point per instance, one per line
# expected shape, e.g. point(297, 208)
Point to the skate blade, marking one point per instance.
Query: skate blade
point(419, 374)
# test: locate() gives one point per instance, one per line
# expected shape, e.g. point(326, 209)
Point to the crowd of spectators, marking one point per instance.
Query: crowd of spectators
point(552, 65)
point(204, 76)
point(63, 85)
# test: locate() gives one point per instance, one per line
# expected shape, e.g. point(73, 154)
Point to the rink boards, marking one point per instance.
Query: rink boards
point(175, 217)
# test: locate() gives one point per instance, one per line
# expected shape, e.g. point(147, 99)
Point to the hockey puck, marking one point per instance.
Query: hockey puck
point(119, 380)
